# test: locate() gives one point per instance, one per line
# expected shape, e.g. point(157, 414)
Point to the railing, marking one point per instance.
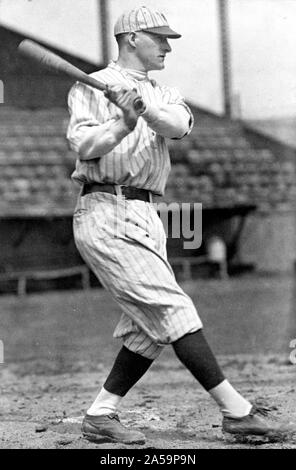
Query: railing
point(39, 275)
point(186, 264)
point(22, 277)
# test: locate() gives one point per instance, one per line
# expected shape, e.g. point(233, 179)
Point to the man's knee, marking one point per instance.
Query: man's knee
point(145, 347)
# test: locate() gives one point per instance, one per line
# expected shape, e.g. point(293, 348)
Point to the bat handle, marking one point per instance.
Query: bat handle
point(139, 105)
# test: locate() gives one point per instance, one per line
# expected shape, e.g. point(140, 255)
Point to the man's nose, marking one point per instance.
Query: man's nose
point(167, 47)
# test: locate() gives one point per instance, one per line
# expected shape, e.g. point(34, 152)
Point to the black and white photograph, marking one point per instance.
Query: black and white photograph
point(147, 227)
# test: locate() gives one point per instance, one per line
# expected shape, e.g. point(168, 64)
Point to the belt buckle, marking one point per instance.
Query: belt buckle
point(118, 189)
point(118, 192)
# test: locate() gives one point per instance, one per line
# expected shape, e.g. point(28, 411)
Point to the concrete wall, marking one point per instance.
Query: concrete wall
point(269, 241)
point(37, 244)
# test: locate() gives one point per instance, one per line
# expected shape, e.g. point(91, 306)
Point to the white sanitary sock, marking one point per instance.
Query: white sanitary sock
point(104, 404)
point(230, 402)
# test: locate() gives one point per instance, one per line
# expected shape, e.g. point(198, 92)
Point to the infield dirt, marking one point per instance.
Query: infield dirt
point(58, 348)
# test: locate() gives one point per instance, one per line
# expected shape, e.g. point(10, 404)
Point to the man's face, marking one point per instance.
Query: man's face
point(151, 49)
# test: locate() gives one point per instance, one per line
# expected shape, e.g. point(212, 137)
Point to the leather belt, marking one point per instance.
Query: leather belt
point(129, 192)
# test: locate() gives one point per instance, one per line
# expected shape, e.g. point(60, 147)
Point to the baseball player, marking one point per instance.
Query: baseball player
point(122, 165)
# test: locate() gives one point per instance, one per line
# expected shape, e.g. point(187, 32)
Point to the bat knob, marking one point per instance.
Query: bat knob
point(139, 106)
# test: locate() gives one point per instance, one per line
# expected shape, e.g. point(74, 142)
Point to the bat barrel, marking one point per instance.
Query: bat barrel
point(94, 83)
point(50, 60)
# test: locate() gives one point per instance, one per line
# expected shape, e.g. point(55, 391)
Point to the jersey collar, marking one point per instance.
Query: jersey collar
point(130, 73)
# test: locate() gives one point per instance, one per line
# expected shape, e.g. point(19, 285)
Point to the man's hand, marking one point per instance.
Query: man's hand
point(124, 98)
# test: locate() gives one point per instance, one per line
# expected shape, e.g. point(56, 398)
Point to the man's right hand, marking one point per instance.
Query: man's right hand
point(124, 99)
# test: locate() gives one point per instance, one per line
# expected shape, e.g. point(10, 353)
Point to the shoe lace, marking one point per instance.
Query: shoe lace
point(114, 416)
point(261, 409)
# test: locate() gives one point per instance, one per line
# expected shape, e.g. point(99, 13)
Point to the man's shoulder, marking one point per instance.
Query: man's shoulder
point(169, 91)
point(108, 75)
point(100, 72)
point(164, 87)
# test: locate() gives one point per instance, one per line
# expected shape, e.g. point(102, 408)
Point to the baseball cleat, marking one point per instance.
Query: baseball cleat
point(108, 428)
point(258, 424)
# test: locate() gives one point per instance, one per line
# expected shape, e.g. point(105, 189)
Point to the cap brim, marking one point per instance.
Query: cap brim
point(163, 31)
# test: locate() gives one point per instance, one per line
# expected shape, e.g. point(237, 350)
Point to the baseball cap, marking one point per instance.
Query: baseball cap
point(144, 19)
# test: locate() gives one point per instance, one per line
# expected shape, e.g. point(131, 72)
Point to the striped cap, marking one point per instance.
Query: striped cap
point(144, 19)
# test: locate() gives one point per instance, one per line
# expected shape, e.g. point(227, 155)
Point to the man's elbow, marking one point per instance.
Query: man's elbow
point(92, 148)
point(183, 126)
point(79, 146)
point(87, 150)
point(179, 132)
point(84, 152)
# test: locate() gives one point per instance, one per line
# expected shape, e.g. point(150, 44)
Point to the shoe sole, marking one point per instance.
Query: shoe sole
point(259, 438)
point(94, 437)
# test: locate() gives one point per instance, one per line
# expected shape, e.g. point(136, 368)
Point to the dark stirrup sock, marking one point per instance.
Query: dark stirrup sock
point(195, 353)
point(128, 368)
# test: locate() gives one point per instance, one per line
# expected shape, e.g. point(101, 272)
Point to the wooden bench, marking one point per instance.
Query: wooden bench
point(39, 275)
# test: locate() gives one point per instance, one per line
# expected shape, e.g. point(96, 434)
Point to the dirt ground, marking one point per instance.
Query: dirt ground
point(57, 354)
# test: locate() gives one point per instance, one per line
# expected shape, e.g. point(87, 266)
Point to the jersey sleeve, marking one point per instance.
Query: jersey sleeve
point(87, 108)
point(171, 95)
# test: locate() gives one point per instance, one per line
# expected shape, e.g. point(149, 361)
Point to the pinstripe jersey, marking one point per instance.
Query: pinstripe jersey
point(141, 159)
point(123, 241)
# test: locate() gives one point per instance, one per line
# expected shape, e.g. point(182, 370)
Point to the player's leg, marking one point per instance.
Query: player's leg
point(101, 421)
point(138, 352)
point(195, 353)
point(128, 368)
point(132, 362)
point(239, 416)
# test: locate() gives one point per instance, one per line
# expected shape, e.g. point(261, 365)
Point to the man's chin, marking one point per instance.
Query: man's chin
point(158, 67)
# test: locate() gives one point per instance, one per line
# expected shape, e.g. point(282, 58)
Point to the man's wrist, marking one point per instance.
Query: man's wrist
point(121, 128)
point(150, 114)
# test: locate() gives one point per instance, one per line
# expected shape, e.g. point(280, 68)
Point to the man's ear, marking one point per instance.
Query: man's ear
point(132, 39)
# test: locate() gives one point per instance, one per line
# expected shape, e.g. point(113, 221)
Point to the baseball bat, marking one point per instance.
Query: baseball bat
point(49, 60)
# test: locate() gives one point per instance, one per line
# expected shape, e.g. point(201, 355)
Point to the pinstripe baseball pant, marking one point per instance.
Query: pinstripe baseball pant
point(124, 243)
